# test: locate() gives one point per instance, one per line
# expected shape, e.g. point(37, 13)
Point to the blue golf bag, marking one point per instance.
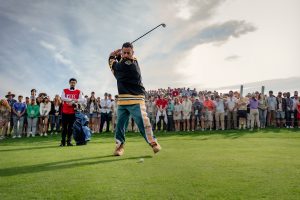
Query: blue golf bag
point(81, 131)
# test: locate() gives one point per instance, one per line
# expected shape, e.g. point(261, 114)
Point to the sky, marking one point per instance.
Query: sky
point(207, 44)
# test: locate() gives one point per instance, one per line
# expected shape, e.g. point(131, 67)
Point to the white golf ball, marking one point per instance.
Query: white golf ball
point(141, 160)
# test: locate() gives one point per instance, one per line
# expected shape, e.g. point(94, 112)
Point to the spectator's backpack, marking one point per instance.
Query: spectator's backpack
point(81, 131)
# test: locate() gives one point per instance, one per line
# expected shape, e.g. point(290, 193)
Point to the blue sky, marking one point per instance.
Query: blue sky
point(206, 44)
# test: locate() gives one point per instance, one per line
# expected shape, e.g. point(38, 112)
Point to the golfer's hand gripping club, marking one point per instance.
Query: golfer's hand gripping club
point(116, 52)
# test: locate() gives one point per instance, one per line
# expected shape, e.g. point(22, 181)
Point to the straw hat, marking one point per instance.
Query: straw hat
point(10, 94)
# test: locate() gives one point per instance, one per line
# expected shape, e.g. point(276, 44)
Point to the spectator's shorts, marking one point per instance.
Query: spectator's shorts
point(208, 116)
point(177, 117)
point(186, 115)
point(150, 115)
point(192, 116)
point(280, 115)
point(44, 117)
point(93, 115)
point(242, 113)
point(293, 114)
point(298, 116)
point(3, 122)
point(197, 117)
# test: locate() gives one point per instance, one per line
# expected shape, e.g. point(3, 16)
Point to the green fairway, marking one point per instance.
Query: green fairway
point(198, 165)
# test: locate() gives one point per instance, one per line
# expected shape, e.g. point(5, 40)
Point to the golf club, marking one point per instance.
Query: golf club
point(162, 24)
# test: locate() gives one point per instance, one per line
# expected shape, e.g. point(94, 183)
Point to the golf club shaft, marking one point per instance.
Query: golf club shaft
point(146, 33)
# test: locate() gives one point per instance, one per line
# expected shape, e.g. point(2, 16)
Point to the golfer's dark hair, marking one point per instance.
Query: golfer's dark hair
point(127, 45)
point(72, 79)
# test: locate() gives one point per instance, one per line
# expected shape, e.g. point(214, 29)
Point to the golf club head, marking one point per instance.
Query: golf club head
point(163, 25)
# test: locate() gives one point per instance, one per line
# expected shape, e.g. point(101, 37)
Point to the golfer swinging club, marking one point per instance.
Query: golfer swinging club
point(131, 98)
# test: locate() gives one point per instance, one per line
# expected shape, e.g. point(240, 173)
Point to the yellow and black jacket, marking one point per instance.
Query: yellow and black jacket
point(129, 80)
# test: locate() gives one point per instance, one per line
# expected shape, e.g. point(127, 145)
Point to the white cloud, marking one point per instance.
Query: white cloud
point(59, 57)
point(184, 9)
point(221, 32)
point(47, 45)
point(232, 58)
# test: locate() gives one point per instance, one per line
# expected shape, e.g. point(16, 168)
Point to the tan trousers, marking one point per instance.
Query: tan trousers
point(231, 119)
point(219, 118)
point(254, 116)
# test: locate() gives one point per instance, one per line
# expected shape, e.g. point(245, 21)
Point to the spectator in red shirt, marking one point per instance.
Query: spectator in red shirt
point(70, 98)
point(161, 105)
point(209, 108)
point(175, 93)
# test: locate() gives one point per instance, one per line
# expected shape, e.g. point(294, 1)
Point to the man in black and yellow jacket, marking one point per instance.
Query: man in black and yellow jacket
point(131, 98)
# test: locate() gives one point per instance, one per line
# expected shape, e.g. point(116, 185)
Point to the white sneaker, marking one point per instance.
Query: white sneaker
point(19, 136)
point(14, 137)
point(45, 134)
point(291, 127)
point(287, 127)
point(33, 135)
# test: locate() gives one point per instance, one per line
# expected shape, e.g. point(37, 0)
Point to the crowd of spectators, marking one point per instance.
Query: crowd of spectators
point(181, 109)
point(171, 109)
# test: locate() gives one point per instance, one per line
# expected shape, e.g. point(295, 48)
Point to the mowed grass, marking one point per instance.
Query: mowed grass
point(198, 165)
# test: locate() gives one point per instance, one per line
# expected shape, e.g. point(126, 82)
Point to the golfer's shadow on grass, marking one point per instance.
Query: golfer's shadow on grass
point(67, 164)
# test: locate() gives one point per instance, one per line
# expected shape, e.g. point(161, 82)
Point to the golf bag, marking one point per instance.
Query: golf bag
point(81, 131)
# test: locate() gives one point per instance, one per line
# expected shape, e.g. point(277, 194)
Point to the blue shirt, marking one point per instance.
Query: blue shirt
point(170, 108)
point(219, 106)
point(19, 107)
point(11, 102)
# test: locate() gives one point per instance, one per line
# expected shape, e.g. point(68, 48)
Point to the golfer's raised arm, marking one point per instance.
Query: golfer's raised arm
point(113, 59)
